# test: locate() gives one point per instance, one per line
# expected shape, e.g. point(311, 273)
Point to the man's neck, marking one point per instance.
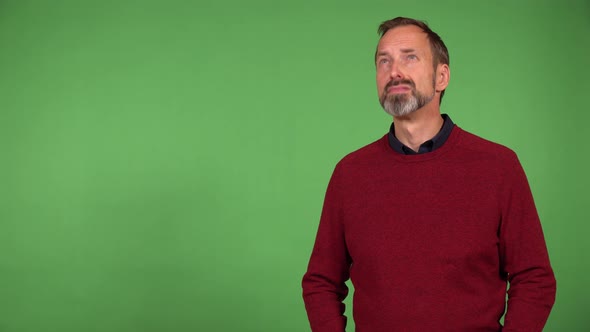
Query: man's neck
point(418, 127)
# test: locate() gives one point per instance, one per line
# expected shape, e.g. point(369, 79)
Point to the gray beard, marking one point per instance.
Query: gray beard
point(401, 105)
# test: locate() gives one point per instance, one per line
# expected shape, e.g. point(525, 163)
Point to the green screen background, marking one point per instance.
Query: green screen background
point(164, 163)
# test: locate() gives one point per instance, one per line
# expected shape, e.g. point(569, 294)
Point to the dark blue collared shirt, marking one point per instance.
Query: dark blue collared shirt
point(428, 146)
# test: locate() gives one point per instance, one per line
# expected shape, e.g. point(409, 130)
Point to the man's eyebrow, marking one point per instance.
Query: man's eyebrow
point(403, 50)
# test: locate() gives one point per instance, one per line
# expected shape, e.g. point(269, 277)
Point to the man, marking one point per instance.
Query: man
point(429, 222)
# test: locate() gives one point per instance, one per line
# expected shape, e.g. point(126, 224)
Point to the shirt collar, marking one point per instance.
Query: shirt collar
point(430, 145)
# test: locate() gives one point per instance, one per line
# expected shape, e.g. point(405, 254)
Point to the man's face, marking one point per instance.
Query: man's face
point(405, 71)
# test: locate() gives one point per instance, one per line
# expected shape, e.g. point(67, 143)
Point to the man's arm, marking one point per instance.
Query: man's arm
point(524, 257)
point(324, 286)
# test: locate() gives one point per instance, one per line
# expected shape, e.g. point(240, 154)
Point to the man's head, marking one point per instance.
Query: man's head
point(412, 65)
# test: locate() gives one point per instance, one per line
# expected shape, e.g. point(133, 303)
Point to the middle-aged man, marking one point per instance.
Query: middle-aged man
point(430, 222)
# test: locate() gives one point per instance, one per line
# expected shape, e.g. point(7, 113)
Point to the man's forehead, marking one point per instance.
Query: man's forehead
point(408, 36)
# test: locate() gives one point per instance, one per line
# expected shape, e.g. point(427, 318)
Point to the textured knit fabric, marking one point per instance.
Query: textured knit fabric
point(429, 242)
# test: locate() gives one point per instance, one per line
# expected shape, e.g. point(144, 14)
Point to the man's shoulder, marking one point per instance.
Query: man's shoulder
point(366, 154)
point(480, 147)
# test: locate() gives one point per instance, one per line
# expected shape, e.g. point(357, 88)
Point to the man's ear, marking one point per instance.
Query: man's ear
point(443, 76)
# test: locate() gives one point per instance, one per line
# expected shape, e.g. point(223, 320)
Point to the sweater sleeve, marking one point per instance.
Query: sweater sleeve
point(323, 284)
point(524, 257)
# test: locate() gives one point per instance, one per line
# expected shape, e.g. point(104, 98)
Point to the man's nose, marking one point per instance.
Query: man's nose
point(395, 71)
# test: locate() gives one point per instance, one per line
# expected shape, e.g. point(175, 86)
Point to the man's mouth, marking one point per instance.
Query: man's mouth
point(399, 88)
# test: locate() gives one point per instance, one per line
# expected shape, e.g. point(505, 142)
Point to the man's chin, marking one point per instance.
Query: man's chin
point(398, 111)
point(402, 97)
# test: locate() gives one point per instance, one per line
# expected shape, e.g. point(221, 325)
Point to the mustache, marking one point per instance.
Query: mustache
point(398, 82)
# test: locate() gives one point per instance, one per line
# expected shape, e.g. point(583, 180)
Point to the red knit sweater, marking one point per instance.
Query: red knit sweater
point(429, 242)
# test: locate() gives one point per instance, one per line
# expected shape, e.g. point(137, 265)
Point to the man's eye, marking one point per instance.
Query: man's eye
point(411, 57)
point(383, 61)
